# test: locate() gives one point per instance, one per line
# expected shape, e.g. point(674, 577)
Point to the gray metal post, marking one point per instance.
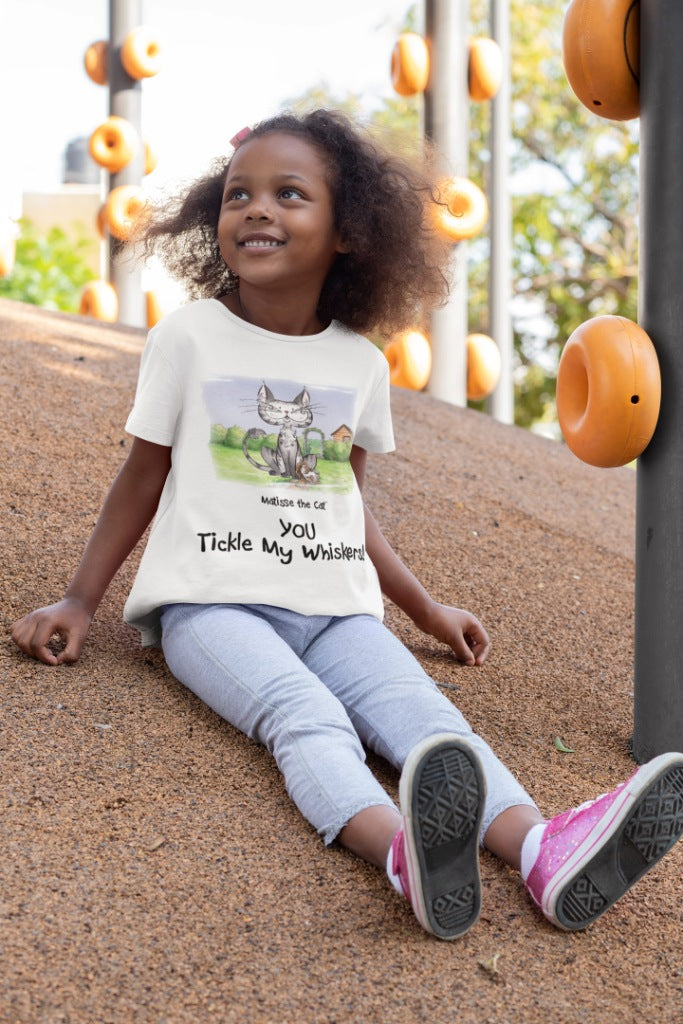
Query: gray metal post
point(501, 404)
point(446, 125)
point(658, 707)
point(125, 100)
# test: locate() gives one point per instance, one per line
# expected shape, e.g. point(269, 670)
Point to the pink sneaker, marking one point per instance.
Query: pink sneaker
point(591, 855)
point(436, 853)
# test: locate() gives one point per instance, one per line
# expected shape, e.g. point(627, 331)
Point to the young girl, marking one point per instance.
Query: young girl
point(263, 574)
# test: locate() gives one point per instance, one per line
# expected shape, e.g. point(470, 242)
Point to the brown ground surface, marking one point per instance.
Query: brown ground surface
point(151, 866)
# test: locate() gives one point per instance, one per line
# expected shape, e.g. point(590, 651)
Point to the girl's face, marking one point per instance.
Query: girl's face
point(276, 225)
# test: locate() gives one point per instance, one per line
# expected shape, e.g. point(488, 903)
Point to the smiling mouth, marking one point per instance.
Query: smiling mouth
point(260, 243)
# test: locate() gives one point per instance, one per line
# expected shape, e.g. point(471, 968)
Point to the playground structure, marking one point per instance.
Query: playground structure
point(453, 365)
point(622, 58)
point(617, 383)
point(608, 391)
point(131, 54)
point(659, 487)
point(450, 69)
point(614, 402)
point(418, 65)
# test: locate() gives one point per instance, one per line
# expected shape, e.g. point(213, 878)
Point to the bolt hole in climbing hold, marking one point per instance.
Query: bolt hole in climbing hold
point(608, 391)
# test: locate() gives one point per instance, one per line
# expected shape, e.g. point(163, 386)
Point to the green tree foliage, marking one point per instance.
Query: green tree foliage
point(574, 198)
point(49, 270)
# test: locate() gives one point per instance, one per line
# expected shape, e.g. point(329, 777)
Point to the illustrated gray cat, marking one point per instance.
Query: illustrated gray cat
point(287, 460)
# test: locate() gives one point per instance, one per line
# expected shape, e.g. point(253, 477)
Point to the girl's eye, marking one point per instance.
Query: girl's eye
point(236, 194)
point(290, 193)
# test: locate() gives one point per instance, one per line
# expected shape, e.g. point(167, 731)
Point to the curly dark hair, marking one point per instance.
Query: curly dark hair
point(396, 268)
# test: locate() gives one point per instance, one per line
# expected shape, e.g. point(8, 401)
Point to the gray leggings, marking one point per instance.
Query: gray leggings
point(313, 690)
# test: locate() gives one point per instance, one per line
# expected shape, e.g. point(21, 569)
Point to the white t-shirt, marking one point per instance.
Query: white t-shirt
point(261, 505)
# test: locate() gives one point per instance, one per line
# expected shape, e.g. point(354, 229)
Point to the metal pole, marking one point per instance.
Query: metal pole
point(658, 700)
point(501, 404)
point(125, 100)
point(446, 125)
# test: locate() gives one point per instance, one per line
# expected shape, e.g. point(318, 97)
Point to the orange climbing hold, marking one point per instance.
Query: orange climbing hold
point(484, 69)
point(113, 144)
point(410, 64)
point(96, 61)
point(601, 54)
point(123, 207)
point(153, 309)
point(151, 159)
point(8, 247)
point(98, 299)
point(608, 391)
point(141, 54)
point(410, 360)
point(463, 211)
point(483, 366)
point(101, 221)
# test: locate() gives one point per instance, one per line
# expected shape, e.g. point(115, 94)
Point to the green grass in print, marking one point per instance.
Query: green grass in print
point(231, 464)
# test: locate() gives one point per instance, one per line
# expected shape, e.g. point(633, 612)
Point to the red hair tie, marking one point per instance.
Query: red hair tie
point(240, 137)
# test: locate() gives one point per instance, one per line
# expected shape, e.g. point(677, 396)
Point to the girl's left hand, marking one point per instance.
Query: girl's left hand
point(462, 631)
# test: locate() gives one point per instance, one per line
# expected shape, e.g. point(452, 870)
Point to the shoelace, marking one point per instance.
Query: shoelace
point(589, 803)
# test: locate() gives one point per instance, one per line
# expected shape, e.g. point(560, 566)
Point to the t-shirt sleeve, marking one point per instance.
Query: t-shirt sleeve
point(374, 430)
point(157, 399)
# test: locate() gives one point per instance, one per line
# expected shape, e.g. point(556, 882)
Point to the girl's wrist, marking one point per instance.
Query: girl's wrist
point(87, 605)
point(425, 614)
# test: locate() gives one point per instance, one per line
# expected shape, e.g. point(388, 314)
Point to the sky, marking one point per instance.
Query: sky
point(226, 65)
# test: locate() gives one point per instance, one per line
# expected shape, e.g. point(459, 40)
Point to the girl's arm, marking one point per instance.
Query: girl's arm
point(461, 630)
point(127, 511)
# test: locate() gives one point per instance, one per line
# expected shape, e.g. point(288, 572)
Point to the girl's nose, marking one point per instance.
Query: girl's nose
point(259, 209)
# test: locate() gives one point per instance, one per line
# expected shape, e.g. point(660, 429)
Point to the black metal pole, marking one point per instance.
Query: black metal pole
point(125, 100)
point(658, 707)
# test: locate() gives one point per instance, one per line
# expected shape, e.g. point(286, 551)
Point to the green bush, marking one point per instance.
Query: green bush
point(337, 451)
point(218, 433)
point(234, 436)
point(49, 270)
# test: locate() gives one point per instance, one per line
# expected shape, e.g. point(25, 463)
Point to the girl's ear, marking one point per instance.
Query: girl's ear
point(342, 247)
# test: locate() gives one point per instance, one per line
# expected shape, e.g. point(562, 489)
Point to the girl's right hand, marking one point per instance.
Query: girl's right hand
point(36, 633)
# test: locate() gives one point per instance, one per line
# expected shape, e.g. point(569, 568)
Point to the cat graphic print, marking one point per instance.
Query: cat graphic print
point(266, 432)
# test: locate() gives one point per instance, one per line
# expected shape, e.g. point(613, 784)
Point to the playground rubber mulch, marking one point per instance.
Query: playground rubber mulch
point(152, 868)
